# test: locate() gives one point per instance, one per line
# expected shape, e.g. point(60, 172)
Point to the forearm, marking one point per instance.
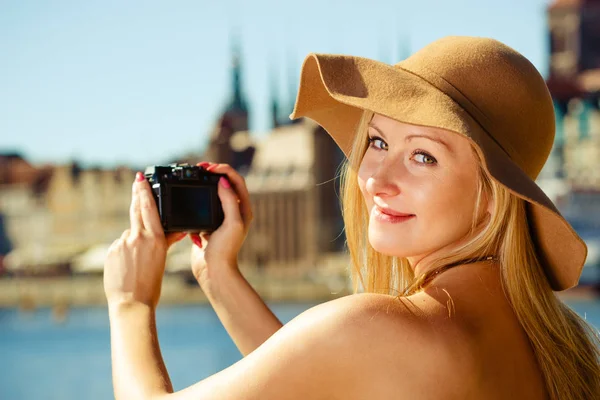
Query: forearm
point(138, 369)
point(241, 310)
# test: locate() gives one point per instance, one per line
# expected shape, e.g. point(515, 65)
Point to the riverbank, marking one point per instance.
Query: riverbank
point(87, 290)
point(29, 293)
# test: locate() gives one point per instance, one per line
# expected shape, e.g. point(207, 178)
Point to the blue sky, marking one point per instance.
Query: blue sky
point(139, 82)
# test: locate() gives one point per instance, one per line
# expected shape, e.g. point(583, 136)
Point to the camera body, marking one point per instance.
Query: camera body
point(186, 197)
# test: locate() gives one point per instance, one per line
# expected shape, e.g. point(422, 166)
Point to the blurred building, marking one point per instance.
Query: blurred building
point(52, 213)
point(291, 175)
point(572, 175)
point(230, 142)
point(574, 51)
point(5, 243)
point(56, 217)
point(61, 218)
point(293, 188)
point(574, 82)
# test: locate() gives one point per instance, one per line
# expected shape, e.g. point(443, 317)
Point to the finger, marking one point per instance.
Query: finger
point(239, 185)
point(150, 216)
point(204, 236)
point(229, 201)
point(196, 239)
point(135, 214)
point(174, 237)
point(119, 241)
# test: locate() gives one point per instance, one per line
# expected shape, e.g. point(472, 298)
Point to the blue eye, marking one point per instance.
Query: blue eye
point(377, 143)
point(423, 158)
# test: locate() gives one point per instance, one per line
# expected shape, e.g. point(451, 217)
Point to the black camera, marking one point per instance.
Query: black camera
point(186, 197)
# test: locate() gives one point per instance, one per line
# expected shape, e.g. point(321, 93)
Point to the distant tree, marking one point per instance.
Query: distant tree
point(5, 244)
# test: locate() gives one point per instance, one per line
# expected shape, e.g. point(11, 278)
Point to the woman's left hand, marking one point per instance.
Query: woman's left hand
point(135, 263)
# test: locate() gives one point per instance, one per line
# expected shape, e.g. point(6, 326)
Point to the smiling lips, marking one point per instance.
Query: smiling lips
point(387, 215)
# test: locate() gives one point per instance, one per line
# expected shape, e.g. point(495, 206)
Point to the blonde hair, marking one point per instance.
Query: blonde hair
point(566, 347)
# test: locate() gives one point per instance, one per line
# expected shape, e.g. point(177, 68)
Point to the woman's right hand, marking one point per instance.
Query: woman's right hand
point(215, 254)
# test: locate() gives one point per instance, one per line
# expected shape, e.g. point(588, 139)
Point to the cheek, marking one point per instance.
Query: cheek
point(444, 205)
point(362, 180)
point(364, 173)
point(448, 204)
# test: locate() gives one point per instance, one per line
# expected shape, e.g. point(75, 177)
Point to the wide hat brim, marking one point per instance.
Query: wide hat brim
point(335, 90)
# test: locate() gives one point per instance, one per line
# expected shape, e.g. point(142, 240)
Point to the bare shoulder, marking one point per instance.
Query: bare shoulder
point(399, 347)
point(413, 343)
point(359, 346)
point(402, 346)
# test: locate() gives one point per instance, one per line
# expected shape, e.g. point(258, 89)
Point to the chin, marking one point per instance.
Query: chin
point(402, 243)
point(392, 245)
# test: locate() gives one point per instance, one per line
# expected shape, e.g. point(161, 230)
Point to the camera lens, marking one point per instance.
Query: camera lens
point(188, 173)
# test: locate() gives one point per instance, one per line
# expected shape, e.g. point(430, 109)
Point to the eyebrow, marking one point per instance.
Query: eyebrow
point(413, 136)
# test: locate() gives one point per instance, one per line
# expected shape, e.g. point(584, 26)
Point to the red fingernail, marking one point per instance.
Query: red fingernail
point(203, 164)
point(211, 166)
point(197, 241)
point(223, 181)
point(139, 177)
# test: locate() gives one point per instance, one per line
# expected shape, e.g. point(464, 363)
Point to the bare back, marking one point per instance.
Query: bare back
point(471, 347)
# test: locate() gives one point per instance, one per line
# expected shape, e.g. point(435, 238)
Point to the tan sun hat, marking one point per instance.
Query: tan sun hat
point(476, 87)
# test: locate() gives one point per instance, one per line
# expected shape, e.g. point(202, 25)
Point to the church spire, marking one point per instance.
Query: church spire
point(294, 76)
point(238, 102)
point(275, 110)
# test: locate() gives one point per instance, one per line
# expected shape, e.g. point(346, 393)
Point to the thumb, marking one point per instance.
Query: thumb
point(229, 201)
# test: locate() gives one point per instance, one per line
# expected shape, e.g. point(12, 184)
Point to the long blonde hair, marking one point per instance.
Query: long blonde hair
point(566, 347)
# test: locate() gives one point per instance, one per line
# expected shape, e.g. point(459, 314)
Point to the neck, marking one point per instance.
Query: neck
point(424, 265)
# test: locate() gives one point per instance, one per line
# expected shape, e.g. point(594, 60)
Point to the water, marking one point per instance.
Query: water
point(41, 359)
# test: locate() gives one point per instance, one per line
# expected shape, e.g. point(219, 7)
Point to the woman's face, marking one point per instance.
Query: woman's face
point(420, 188)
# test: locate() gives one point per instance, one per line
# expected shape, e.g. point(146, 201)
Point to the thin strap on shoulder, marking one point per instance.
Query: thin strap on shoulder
point(445, 268)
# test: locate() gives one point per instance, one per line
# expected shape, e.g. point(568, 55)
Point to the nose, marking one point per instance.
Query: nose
point(383, 182)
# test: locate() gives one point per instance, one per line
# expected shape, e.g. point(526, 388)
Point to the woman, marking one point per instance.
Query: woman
point(455, 247)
